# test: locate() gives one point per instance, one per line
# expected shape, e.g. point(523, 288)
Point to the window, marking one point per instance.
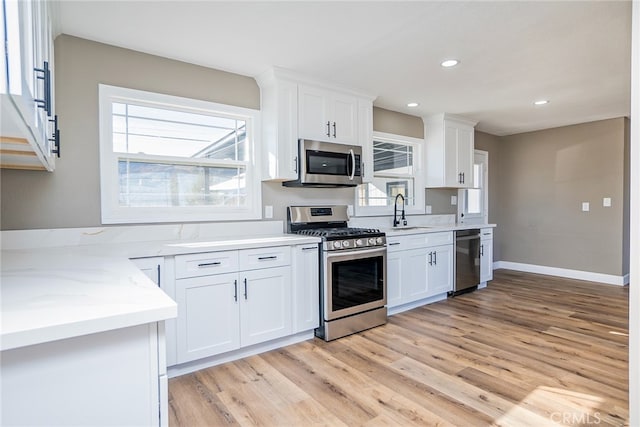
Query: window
point(474, 206)
point(165, 158)
point(396, 170)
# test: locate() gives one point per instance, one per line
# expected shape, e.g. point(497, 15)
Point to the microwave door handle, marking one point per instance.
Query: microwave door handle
point(353, 164)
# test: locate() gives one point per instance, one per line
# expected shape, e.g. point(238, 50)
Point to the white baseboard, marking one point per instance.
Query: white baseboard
point(196, 365)
point(609, 279)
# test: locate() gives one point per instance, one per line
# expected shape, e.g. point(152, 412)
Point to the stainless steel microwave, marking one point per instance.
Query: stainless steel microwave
point(327, 164)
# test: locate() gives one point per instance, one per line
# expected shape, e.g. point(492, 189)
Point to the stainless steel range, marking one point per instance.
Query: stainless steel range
point(353, 276)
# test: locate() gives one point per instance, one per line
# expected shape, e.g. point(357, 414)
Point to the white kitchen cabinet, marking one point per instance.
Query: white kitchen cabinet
point(221, 311)
point(306, 288)
point(440, 269)
point(486, 255)
point(160, 271)
point(265, 309)
point(419, 266)
point(29, 138)
point(109, 378)
point(449, 143)
point(208, 315)
point(325, 115)
point(295, 107)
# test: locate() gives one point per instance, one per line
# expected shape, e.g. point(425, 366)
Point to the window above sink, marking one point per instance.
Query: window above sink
point(397, 166)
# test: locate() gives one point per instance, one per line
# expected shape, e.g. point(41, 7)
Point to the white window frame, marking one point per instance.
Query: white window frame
point(465, 217)
point(113, 213)
point(418, 175)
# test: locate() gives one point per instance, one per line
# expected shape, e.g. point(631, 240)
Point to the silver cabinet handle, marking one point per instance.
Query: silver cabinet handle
point(264, 258)
point(309, 248)
point(328, 128)
point(394, 243)
point(245, 288)
point(334, 129)
point(430, 258)
point(209, 264)
point(295, 164)
point(158, 275)
point(235, 290)
point(435, 258)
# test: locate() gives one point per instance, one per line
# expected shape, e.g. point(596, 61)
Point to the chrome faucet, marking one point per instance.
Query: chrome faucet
point(396, 222)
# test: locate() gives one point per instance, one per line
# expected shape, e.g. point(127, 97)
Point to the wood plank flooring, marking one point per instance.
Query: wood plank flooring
point(530, 350)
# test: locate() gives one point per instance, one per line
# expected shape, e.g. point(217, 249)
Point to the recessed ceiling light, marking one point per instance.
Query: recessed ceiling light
point(541, 102)
point(450, 63)
point(412, 104)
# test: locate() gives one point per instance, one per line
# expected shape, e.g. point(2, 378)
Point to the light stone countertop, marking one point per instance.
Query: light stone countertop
point(401, 231)
point(53, 293)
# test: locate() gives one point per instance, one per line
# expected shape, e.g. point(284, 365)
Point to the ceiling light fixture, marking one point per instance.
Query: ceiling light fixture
point(449, 63)
point(541, 102)
point(412, 104)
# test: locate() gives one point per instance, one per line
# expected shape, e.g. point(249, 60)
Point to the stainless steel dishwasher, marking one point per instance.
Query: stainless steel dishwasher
point(467, 261)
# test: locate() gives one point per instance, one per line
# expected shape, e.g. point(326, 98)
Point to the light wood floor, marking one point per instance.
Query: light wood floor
point(528, 350)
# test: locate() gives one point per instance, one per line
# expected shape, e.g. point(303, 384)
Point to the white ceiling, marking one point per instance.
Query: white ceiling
point(574, 53)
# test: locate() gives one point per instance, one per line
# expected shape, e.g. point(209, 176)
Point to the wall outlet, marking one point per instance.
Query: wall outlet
point(585, 206)
point(268, 211)
point(454, 200)
point(427, 209)
point(606, 202)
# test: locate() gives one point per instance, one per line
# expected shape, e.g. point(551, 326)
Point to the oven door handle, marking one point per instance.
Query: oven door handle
point(356, 253)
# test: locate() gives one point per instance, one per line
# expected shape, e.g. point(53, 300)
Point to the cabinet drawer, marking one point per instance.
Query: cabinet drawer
point(486, 233)
point(396, 243)
point(252, 259)
point(443, 238)
point(206, 264)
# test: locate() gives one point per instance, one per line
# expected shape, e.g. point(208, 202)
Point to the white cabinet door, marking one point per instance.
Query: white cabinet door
point(324, 115)
point(26, 128)
point(415, 286)
point(486, 260)
point(440, 269)
point(306, 288)
point(344, 115)
point(208, 315)
point(395, 278)
point(151, 267)
point(465, 156)
point(265, 311)
point(313, 114)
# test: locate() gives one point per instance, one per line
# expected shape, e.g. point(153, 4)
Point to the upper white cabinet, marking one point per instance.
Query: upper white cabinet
point(326, 115)
point(294, 107)
point(29, 135)
point(449, 151)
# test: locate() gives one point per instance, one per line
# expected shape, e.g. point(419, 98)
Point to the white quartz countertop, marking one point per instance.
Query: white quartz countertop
point(399, 231)
point(53, 293)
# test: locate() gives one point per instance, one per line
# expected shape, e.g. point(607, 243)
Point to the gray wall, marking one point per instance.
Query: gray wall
point(70, 197)
point(544, 177)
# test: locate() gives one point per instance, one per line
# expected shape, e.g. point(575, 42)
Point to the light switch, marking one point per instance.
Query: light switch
point(454, 200)
point(606, 202)
point(268, 211)
point(585, 206)
point(427, 209)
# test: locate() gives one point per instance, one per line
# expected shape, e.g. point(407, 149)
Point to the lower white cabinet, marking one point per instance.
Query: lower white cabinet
point(223, 312)
point(418, 266)
point(306, 288)
point(111, 378)
point(486, 255)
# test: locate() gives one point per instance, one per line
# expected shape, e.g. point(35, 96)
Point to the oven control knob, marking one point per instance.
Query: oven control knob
point(372, 240)
point(379, 240)
point(359, 242)
point(337, 244)
point(346, 244)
